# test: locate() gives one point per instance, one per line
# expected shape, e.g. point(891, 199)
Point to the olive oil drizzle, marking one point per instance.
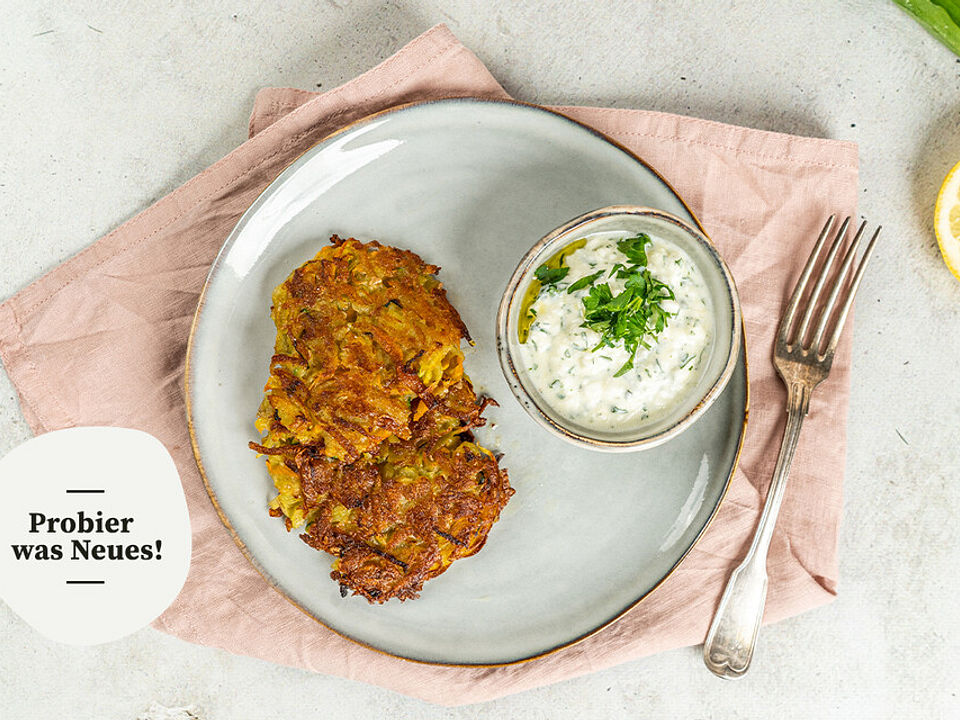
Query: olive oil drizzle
point(527, 316)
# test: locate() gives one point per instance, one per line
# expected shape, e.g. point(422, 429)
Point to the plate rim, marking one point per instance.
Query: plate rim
point(504, 102)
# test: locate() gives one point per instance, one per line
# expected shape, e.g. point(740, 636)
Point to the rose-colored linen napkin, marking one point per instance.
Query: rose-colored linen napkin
point(101, 340)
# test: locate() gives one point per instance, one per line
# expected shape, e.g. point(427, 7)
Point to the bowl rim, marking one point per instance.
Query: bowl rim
point(512, 292)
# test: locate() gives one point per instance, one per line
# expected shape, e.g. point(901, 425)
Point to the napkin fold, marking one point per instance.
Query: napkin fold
point(101, 340)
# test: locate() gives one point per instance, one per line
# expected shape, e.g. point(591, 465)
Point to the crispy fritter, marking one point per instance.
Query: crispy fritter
point(367, 420)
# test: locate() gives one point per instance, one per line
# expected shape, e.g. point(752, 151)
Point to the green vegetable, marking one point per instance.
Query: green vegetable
point(584, 281)
point(633, 248)
point(941, 18)
point(550, 276)
point(633, 316)
point(628, 365)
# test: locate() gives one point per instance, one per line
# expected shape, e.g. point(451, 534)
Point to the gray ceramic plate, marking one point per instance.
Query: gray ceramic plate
point(468, 185)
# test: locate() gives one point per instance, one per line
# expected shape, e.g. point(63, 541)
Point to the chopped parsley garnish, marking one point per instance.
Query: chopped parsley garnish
point(635, 315)
point(584, 282)
point(634, 248)
point(550, 276)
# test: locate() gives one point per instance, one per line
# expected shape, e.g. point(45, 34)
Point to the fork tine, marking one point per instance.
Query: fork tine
point(818, 288)
point(837, 287)
point(854, 286)
point(787, 320)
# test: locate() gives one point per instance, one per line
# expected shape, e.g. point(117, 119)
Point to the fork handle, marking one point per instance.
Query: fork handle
point(732, 637)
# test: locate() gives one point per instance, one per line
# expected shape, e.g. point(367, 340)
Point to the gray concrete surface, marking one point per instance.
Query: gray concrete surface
point(107, 106)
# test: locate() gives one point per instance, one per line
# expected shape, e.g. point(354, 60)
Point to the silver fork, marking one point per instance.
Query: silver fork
point(802, 365)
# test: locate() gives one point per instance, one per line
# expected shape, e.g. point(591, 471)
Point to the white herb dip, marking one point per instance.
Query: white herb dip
point(577, 381)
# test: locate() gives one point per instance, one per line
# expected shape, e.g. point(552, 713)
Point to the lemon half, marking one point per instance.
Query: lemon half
point(946, 220)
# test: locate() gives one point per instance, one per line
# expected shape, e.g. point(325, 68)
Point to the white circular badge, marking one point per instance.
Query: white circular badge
point(94, 532)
